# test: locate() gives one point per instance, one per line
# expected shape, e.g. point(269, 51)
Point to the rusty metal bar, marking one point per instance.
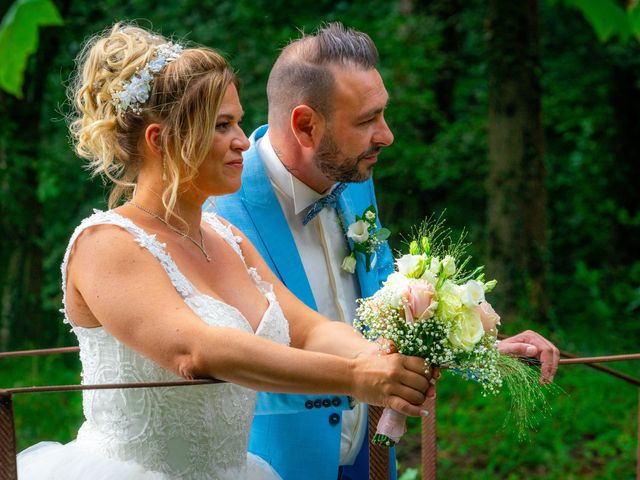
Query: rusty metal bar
point(602, 359)
point(41, 351)
point(429, 447)
point(105, 386)
point(601, 368)
point(378, 456)
point(8, 469)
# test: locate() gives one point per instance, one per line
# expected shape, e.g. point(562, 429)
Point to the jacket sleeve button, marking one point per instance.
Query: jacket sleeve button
point(335, 401)
point(326, 402)
point(317, 403)
point(334, 419)
point(308, 404)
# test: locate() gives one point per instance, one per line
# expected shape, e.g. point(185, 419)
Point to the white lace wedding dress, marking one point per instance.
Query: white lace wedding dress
point(194, 432)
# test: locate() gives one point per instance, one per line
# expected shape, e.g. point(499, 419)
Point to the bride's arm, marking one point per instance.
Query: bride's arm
point(130, 295)
point(308, 329)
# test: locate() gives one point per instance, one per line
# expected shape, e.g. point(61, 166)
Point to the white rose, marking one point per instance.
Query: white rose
point(450, 304)
point(397, 279)
point(429, 277)
point(410, 265)
point(435, 265)
point(370, 215)
point(448, 266)
point(358, 231)
point(467, 330)
point(472, 293)
point(349, 263)
point(394, 290)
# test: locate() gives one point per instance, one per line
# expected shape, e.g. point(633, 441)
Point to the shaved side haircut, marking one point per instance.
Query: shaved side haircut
point(302, 73)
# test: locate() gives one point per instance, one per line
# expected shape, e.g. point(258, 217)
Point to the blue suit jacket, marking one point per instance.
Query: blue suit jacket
point(299, 435)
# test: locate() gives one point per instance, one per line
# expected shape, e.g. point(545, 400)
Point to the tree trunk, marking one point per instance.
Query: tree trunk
point(516, 184)
point(625, 100)
point(448, 13)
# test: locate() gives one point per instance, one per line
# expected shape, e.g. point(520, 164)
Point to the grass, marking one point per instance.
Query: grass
point(590, 433)
point(44, 416)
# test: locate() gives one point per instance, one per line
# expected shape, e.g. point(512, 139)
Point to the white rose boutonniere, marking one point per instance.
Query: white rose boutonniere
point(349, 263)
point(366, 238)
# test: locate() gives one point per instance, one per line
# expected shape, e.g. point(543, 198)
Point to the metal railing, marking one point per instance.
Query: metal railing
point(378, 461)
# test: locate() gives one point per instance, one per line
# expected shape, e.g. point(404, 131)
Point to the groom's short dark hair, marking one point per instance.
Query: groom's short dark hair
point(302, 74)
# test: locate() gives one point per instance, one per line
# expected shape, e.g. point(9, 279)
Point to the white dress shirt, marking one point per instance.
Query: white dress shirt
point(322, 247)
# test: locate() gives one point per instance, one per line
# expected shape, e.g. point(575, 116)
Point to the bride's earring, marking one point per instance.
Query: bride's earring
point(164, 170)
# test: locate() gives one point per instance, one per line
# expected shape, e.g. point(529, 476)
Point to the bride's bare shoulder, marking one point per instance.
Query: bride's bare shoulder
point(108, 245)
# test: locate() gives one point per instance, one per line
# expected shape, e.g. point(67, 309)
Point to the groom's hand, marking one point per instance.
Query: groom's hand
point(532, 344)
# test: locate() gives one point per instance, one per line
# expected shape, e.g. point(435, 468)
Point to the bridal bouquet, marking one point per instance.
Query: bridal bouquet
point(434, 307)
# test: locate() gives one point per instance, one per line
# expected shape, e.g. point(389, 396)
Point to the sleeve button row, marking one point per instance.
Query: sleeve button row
point(325, 402)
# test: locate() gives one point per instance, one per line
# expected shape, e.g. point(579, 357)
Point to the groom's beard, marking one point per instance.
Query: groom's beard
point(330, 160)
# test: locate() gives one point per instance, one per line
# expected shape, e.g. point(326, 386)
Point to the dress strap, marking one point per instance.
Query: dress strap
point(224, 230)
point(150, 242)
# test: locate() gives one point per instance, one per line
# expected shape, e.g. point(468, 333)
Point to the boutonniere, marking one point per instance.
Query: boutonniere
point(366, 238)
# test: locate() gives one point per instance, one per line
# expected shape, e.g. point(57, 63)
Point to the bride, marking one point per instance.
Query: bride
point(155, 291)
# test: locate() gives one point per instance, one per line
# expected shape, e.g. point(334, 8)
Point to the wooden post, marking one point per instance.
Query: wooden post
point(429, 446)
point(8, 470)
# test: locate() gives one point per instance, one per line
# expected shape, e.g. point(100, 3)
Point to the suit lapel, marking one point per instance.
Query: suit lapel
point(271, 225)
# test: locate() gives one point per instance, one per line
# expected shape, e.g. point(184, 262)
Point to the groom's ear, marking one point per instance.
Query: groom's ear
point(307, 125)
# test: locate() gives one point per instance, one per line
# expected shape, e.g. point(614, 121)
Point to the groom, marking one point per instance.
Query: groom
point(326, 129)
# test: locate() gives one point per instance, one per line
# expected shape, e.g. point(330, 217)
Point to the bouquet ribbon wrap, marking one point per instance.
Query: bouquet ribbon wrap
point(392, 424)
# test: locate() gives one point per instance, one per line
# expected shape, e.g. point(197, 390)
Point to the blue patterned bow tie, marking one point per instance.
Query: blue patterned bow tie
point(330, 200)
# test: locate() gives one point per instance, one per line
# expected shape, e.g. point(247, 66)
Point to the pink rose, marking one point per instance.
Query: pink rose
point(418, 299)
point(488, 316)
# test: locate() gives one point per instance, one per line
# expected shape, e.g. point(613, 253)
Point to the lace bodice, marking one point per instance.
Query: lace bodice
point(195, 432)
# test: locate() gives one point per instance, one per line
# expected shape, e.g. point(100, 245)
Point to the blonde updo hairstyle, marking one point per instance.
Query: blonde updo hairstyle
point(184, 98)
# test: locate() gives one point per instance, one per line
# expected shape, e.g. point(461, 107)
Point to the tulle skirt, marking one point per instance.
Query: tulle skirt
point(73, 461)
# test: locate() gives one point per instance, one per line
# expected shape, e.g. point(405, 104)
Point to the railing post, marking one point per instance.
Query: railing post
point(429, 442)
point(638, 452)
point(8, 470)
point(378, 456)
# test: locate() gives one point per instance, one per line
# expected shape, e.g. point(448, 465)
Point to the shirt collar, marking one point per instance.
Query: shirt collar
point(302, 195)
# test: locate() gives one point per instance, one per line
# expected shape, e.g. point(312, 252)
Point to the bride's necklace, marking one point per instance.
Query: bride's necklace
point(199, 244)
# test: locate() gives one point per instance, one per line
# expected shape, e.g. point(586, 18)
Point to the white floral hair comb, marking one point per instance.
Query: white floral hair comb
point(135, 91)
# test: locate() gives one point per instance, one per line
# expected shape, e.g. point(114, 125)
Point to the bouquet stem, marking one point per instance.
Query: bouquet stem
point(391, 428)
point(382, 440)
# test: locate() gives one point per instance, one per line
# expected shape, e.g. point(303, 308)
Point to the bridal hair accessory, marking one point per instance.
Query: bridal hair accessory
point(135, 91)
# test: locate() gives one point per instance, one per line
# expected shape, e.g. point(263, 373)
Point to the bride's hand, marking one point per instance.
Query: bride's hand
point(393, 380)
point(385, 346)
